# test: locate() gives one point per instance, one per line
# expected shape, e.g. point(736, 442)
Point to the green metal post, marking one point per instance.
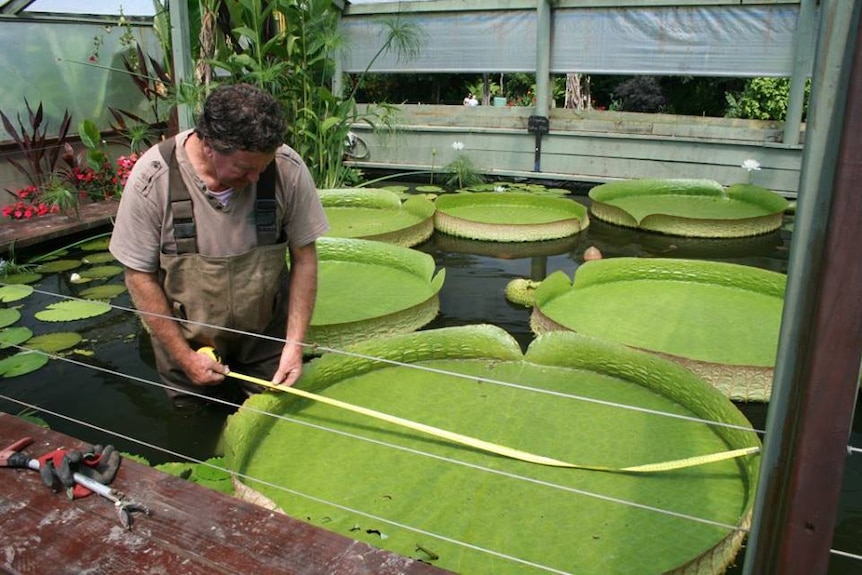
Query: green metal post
point(803, 59)
point(543, 57)
point(182, 59)
point(817, 368)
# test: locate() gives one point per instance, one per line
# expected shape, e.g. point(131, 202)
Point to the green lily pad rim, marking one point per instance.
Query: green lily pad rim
point(772, 205)
point(373, 252)
point(572, 209)
point(737, 382)
point(611, 270)
point(562, 349)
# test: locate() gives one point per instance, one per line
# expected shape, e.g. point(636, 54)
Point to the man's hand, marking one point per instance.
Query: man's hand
point(203, 369)
point(289, 366)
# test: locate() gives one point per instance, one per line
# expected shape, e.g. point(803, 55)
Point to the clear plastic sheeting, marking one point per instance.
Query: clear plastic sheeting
point(451, 42)
point(719, 40)
point(102, 7)
point(74, 66)
point(690, 40)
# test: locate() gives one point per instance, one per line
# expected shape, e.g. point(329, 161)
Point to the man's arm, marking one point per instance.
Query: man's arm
point(149, 298)
point(303, 291)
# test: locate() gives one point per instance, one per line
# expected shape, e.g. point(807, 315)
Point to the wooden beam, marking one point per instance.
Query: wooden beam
point(192, 530)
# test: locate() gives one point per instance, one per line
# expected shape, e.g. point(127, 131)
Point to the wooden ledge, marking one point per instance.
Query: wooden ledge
point(192, 530)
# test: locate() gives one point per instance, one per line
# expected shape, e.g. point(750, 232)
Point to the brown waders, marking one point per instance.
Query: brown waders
point(247, 293)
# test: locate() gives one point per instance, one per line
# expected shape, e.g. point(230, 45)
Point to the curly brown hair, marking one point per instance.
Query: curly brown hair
point(241, 117)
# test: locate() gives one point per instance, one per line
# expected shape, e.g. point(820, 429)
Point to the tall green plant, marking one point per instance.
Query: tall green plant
point(287, 47)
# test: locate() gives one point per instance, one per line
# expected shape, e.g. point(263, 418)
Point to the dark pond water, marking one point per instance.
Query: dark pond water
point(109, 396)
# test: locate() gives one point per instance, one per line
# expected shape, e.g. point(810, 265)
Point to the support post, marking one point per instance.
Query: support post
point(817, 371)
point(538, 122)
point(181, 55)
point(803, 59)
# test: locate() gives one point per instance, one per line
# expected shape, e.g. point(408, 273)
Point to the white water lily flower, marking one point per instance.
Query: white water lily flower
point(457, 146)
point(75, 278)
point(751, 164)
point(499, 188)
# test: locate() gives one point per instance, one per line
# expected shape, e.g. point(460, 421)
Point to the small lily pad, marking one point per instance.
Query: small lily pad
point(71, 310)
point(22, 278)
point(103, 292)
point(14, 292)
point(102, 272)
point(396, 188)
point(8, 316)
point(58, 266)
point(99, 258)
point(99, 245)
point(22, 363)
point(429, 189)
point(14, 336)
point(53, 342)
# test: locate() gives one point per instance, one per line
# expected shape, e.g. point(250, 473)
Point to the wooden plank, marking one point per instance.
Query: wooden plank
point(17, 234)
point(192, 530)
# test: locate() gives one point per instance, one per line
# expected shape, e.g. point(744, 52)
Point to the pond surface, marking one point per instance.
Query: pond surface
point(111, 396)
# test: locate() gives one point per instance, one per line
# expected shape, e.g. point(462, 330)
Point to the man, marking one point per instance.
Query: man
point(203, 227)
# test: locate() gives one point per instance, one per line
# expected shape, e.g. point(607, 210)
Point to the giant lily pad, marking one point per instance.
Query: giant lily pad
point(22, 363)
point(71, 310)
point(505, 250)
point(369, 288)
point(14, 292)
point(378, 214)
point(471, 511)
point(509, 217)
point(686, 207)
point(718, 319)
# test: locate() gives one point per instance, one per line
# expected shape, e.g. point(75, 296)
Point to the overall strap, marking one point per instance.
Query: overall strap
point(266, 208)
point(185, 233)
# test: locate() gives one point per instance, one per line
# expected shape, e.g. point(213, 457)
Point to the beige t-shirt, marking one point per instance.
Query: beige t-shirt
point(144, 225)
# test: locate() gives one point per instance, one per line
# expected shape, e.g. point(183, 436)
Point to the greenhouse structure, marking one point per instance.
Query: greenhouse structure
point(88, 82)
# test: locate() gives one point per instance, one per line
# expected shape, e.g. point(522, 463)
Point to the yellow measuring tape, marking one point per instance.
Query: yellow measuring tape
point(486, 445)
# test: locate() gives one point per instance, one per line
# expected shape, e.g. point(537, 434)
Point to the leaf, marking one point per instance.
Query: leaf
point(99, 258)
point(101, 272)
point(22, 363)
point(103, 292)
point(8, 316)
point(57, 266)
point(14, 336)
point(53, 342)
point(22, 278)
point(207, 473)
point(99, 245)
point(89, 134)
point(14, 292)
point(72, 310)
